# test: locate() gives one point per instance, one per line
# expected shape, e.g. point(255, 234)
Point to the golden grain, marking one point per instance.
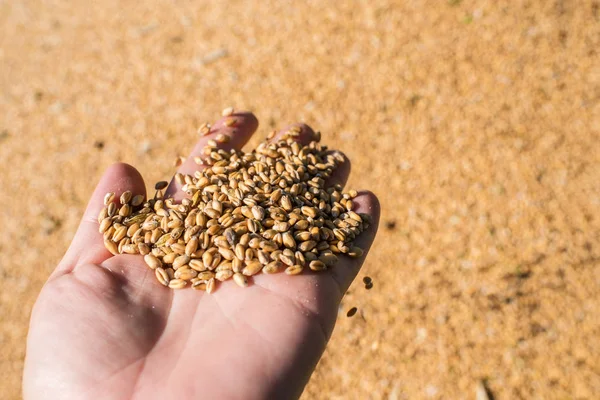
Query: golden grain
point(185, 273)
point(240, 279)
point(252, 268)
point(180, 261)
point(111, 246)
point(317, 265)
point(130, 248)
point(162, 276)
point(178, 248)
point(205, 275)
point(237, 265)
point(288, 240)
point(105, 224)
point(197, 265)
point(224, 275)
point(111, 209)
point(108, 198)
point(179, 160)
point(169, 258)
point(143, 248)
point(126, 197)
point(246, 213)
point(355, 252)
point(272, 267)
point(294, 269)
point(152, 261)
point(328, 259)
point(120, 233)
point(221, 138)
point(170, 272)
point(191, 246)
point(211, 285)
point(177, 284)
point(161, 185)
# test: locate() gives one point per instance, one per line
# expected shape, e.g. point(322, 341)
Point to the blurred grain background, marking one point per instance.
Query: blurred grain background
point(476, 122)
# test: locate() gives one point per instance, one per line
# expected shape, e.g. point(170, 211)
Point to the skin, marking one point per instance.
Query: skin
point(104, 328)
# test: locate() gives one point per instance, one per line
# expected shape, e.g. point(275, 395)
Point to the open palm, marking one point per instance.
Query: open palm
point(104, 328)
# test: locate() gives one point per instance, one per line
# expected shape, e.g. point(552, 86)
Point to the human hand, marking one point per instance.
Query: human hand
point(104, 328)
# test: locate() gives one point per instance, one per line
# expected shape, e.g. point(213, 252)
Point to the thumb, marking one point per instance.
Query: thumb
point(88, 244)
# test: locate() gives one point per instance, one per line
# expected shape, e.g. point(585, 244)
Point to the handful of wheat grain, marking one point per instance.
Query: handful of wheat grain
point(267, 210)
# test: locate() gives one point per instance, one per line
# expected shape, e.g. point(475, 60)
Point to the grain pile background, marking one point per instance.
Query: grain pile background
point(477, 124)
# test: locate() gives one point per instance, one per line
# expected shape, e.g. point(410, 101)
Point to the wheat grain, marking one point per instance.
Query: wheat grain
point(245, 213)
point(108, 198)
point(240, 279)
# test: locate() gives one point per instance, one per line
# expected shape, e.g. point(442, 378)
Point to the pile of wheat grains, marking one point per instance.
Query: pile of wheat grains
point(268, 210)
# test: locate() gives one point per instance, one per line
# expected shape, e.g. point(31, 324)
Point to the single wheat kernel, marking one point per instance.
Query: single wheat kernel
point(224, 275)
point(179, 160)
point(287, 260)
point(237, 265)
point(211, 285)
point(177, 284)
point(191, 246)
point(355, 252)
point(125, 197)
point(240, 279)
point(180, 261)
point(272, 267)
point(221, 138)
point(170, 273)
point(223, 266)
point(143, 248)
point(197, 265)
point(137, 200)
point(227, 112)
point(169, 258)
point(103, 214)
point(108, 198)
point(120, 233)
point(252, 268)
point(105, 224)
point(111, 209)
point(161, 185)
point(162, 276)
point(125, 210)
point(130, 248)
point(178, 248)
point(111, 246)
point(307, 246)
point(185, 273)
point(206, 275)
point(328, 259)
point(317, 265)
point(204, 129)
point(294, 270)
